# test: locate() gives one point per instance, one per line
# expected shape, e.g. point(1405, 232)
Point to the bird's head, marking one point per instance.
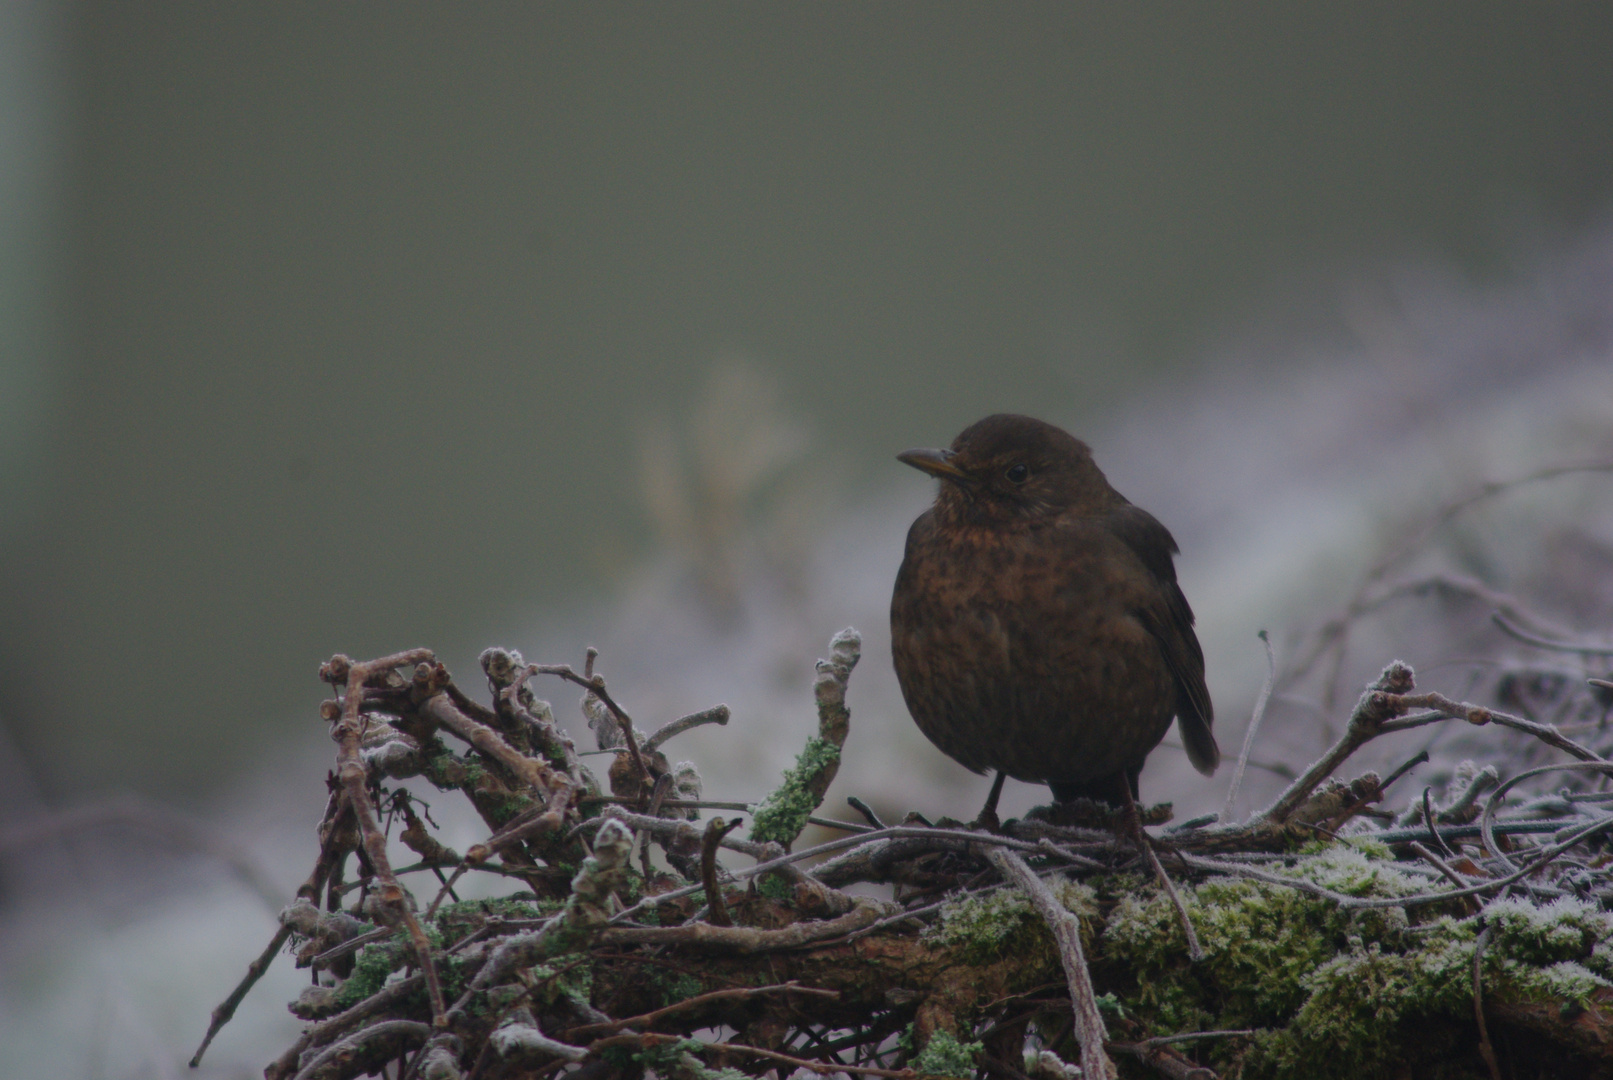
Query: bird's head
point(1009, 467)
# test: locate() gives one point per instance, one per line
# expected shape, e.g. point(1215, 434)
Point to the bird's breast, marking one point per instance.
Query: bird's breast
point(1017, 649)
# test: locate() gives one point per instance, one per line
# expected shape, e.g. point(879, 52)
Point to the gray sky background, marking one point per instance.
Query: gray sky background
point(335, 328)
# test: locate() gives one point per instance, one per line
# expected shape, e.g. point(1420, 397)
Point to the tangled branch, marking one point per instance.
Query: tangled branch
point(1042, 951)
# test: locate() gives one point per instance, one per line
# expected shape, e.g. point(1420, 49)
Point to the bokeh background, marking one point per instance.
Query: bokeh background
point(357, 328)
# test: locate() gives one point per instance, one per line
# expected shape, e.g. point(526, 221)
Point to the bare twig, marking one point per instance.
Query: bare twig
point(1366, 723)
point(1446, 869)
point(226, 1009)
point(1254, 727)
point(717, 714)
point(823, 1068)
point(1331, 638)
point(1145, 843)
point(1163, 1060)
point(386, 1029)
point(595, 684)
point(1493, 803)
point(1089, 1028)
point(1194, 1036)
point(865, 810)
point(663, 784)
point(1258, 715)
point(745, 939)
point(716, 829)
point(350, 772)
point(699, 1001)
point(1539, 642)
point(720, 804)
point(168, 824)
point(1445, 708)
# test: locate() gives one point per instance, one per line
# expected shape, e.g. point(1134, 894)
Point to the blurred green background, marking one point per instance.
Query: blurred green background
point(335, 327)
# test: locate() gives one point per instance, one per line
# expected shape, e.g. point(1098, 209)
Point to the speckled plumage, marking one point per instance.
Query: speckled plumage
point(1036, 625)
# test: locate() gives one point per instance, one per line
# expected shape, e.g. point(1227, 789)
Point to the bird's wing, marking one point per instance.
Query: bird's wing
point(1169, 619)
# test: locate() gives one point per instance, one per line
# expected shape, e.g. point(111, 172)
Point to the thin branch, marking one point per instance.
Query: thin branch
point(1493, 803)
point(716, 829)
point(352, 775)
point(1254, 727)
point(822, 1068)
point(1089, 1028)
point(1195, 952)
point(1163, 1060)
point(1446, 869)
point(717, 714)
point(699, 1001)
point(595, 684)
point(386, 1029)
point(744, 939)
point(865, 810)
point(226, 1008)
point(1545, 643)
point(1446, 708)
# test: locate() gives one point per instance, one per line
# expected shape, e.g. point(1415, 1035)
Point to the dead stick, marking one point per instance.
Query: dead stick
point(385, 1029)
point(1255, 718)
point(1376, 707)
point(1446, 869)
point(822, 1068)
point(354, 778)
point(716, 829)
point(1163, 1060)
point(595, 685)
point(663, 784)
point(744, 939)
point(326, 1030)
point(1478, 714)
point(1089, 1028)
point(226, 1009)
point(1195, 951)
point(699, 1000)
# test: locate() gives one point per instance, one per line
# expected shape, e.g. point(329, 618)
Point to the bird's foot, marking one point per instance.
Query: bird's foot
point(1078, 814)
point(987, 820)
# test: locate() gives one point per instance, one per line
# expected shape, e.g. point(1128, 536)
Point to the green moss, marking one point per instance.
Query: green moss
point(1260, 941)
point(370, 971)
point(944, 1055)
point(983, 929)
point(1341, 993)
point(783, 814)
point(674, 986)
point(774, 887)
point(561, 976)
point(1565, 929)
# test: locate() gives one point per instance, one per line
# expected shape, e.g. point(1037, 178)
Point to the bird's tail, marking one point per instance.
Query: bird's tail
point(1201, 748)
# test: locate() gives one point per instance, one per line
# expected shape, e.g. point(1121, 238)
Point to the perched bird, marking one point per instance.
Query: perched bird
point(1037, 626)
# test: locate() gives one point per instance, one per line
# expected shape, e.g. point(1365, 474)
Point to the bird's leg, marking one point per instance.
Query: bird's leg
point(987, 819)
point(1133, 821)
point(1145, 847)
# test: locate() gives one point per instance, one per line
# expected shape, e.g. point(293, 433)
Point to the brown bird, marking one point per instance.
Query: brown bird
point(1036, 626)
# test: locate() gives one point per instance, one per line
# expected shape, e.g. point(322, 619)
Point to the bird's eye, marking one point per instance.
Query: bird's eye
point(1018, 474)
